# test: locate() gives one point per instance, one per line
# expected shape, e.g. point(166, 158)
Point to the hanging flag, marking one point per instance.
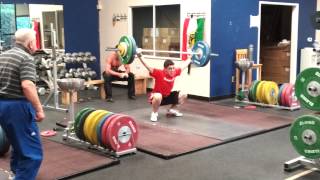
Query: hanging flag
point(200, 29)
point(192, 28)
point(185, 38)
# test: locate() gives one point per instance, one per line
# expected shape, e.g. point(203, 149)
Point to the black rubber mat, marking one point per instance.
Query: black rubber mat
point(203, 125)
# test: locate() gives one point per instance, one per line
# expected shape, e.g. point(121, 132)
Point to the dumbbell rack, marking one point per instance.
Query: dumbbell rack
point(69, 135)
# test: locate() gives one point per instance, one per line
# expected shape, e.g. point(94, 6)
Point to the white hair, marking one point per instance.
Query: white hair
point(24, 36)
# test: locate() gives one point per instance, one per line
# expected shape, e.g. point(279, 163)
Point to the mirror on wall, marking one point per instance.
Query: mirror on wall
point(35, 16)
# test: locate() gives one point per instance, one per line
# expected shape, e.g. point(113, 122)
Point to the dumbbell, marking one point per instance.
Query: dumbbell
point(41, 91)
point(92, 74)
point(71, 70)
point(85, 74)
point(67, 59)
point(80, 69)
point(92, 59)
point(87, 54)
point(76, 74)
point(68, 75)
point(79, 59)
point(74, 54)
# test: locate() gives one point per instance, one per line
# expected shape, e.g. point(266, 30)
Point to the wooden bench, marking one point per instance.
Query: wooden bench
point(140, 88)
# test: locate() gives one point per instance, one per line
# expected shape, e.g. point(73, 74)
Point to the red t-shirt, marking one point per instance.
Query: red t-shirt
point(164, 83)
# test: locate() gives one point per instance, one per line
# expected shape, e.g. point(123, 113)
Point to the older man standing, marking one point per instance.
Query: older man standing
point(20, 106)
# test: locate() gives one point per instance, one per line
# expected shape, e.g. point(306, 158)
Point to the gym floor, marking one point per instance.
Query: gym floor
point(258, 157)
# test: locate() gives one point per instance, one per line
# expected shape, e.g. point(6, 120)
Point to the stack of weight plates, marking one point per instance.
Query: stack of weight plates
point(305, 131)
point(127, 46)
point(264, 92)
point(287, 96)
point(117, 132)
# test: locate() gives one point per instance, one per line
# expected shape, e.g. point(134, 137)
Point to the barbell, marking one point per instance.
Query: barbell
point(127, 49)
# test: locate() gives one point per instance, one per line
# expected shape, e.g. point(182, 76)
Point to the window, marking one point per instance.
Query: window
point(163, 34)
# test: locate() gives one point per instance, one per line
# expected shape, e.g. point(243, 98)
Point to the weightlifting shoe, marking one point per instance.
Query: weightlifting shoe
point(109, 99)
point(132, 97)
point(173, 112)
point(154, 117)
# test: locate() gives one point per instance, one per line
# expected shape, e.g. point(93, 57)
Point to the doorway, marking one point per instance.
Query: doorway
point(277, 43)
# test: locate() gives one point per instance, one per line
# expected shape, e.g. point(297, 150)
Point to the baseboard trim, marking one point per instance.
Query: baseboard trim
point(202, 98)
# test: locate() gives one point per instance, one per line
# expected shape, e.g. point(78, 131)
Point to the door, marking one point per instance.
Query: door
point(278, 41)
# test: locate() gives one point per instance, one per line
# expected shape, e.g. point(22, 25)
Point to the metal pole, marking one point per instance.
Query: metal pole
point(53, 44)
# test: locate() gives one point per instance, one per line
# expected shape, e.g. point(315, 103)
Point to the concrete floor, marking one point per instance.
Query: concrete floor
point(256, 158)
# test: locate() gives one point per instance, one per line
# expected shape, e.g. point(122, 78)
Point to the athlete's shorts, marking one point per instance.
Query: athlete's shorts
point(173, 98)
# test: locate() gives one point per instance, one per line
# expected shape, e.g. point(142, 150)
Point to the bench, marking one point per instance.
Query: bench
point(140, 88)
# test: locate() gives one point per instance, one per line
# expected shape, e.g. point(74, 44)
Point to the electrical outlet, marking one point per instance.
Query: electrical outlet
point(232, 79)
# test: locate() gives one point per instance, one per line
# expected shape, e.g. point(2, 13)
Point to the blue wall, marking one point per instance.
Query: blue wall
point(230, 31)
point(81, 25)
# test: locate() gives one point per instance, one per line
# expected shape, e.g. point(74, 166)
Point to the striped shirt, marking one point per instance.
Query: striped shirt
point(16, 65)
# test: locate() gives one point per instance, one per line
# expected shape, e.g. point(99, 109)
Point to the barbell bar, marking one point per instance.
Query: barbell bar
point(162, 51)
point(126, 49)
point(174, 52)
point(161, 57)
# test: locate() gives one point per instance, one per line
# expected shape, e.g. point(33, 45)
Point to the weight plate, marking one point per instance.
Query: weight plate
point(241, 95)
point(92, 131)
point(82, 120)
point(88, 122)
point(259, 91)
point(126, 57)
point(202, 58)
point(283, 103)
point(264, 88)
point(122, 133)
point(288, 95)
point(307, 88)
point(280, 92)
point(104, 130)
point(250, 96)
point(134, 49)
point(79, 114)
point(250, 92)
point(294, 99)
point(271, 93)
point(254, 92)
point(305, 134)
point(99, 127)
